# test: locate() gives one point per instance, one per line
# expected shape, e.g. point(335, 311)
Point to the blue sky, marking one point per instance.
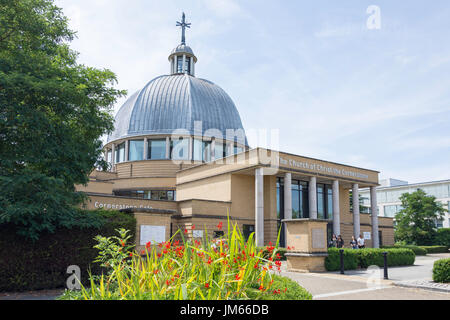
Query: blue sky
point(334, 89)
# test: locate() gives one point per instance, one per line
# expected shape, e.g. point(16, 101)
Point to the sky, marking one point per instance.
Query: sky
point(342, 81)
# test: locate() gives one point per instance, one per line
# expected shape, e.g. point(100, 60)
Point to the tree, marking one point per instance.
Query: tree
point(415, 223)
point(53, 112)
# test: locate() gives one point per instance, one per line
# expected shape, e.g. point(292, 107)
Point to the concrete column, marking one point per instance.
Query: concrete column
point(259, 207)
point(374, 209)
point(113, 156)
point(175, 66)
point(126, 149)
point(167, 147)
point(145, 149)
point(356, 220)
point(193, 68)
point(191, 64)
point(184, 63)
point(312, 195)
point(287, 196)
point(336, 209)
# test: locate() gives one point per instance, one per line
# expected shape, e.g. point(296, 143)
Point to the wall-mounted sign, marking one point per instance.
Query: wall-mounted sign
point(366, 235)
point(321, 168)
point(154, 234)
point(197, 233)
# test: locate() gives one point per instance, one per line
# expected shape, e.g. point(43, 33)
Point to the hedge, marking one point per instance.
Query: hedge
point(442, 237)
point(363, 258)
point(441, 270)
point(435, 249)
point(42, 264)
point(418, 251)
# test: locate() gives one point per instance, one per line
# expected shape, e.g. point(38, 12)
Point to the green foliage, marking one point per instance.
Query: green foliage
point(418, 251)
point(280, 251)
point(435, 249)
point(443, 237)
point(415, 223)
point(225, 268)
point(284, 288)
point(441, 270)
point(354, 258)
point(42, 264)
point(333, 261)
point(53, 113)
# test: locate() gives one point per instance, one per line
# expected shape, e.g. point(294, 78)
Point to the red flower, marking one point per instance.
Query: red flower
point(209, 260)
point(148, 245)
point(207, 285)
point(185, 231)
point(219, 226)
point(261, 287)
point(167, 282)
point(130, 254)
point(193, 227)
point(237, 277)
point(123, 244)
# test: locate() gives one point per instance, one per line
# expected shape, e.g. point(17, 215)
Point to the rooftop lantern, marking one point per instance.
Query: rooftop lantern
point(182, 59)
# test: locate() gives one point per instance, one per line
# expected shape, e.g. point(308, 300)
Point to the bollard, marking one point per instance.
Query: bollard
point(341, 251)
point(385, 266)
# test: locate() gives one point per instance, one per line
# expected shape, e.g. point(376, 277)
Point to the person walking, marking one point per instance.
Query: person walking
point(354, 243)
point(332, 243)
point(361, 243)
point(339, 242)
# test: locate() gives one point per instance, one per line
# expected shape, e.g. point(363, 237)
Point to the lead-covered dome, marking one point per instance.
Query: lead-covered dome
point(176, 101)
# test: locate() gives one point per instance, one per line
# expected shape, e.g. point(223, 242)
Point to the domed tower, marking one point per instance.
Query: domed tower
point(173, 119)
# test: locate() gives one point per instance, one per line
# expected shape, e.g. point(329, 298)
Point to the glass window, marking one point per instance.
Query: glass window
point(237, 149)
point(179, 149)
point(229, 149)
point(109, 156)
point(206, 151)
point(320, 202)
point(157, 149)
point(219, 151)
point(329, 203)
point(391, 211)
point(248, 229)
point(296, 208)
point(198, 146)
point(180, 64)
point(120, 153)
point(187, 66)
point(136, 150)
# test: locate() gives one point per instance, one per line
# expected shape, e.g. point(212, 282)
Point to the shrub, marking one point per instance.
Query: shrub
point(284, 288)
point(441, 270)
point(225, 268)
point(42, 264)
point(366, 257)
point(435, 249)
point(395, 257)
point(418, 251)
point(333, 262)
point(443, 237)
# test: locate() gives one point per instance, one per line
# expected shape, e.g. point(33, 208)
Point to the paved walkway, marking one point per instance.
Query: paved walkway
point(405, 283)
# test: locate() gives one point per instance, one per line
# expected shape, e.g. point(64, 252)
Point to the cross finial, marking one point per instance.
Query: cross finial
point(183, 26)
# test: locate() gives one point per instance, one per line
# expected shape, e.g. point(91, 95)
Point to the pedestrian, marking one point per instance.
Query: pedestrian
point(361, 244)
point(339, 242)
point(354, 243)
point(332, 243)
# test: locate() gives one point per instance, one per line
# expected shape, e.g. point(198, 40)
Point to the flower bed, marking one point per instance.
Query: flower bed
point(227, 268)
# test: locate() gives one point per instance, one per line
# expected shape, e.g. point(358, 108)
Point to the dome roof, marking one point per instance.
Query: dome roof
point(172, 102)
point(182, 48)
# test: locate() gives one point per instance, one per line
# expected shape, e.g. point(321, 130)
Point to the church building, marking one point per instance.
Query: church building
point(179, 159)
